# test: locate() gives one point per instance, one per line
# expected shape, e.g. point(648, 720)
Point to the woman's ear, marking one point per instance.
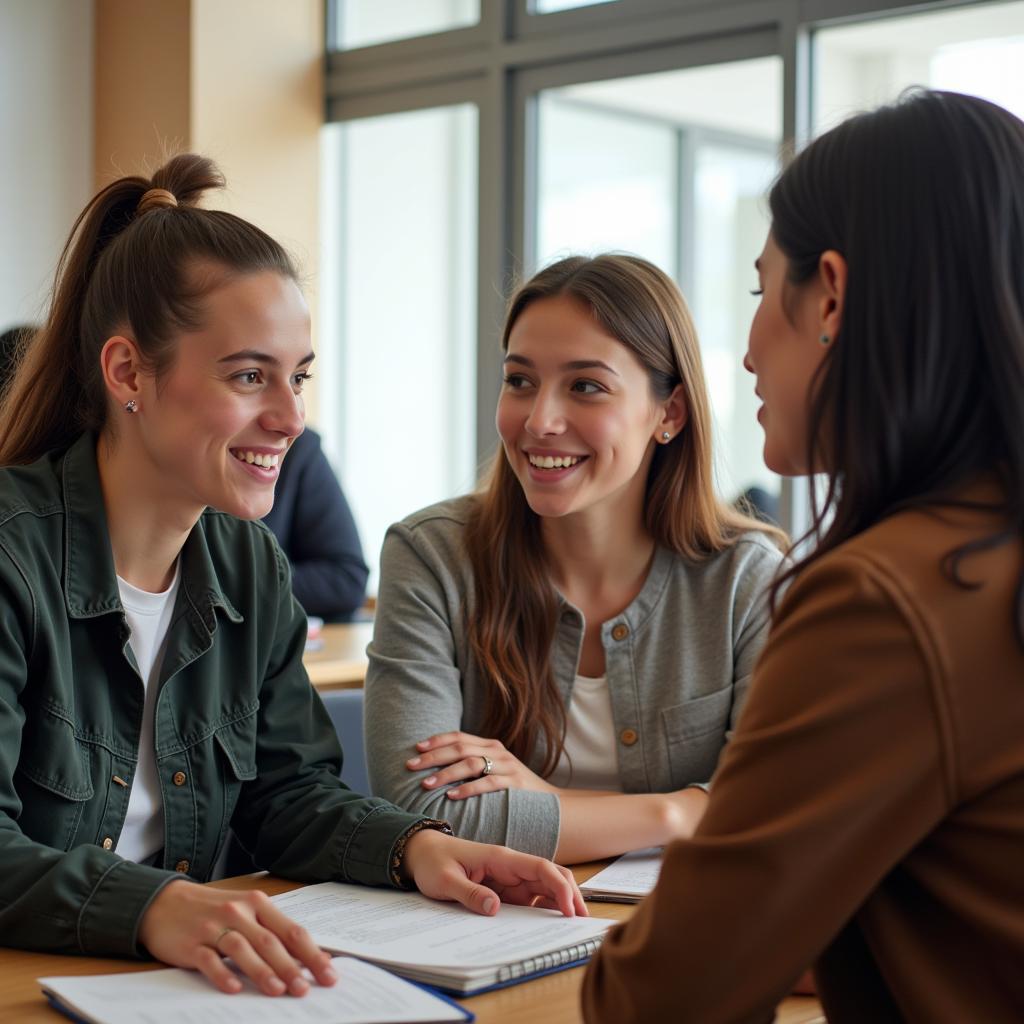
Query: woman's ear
point(675, 413)
point(121, 366)
point(832, 279)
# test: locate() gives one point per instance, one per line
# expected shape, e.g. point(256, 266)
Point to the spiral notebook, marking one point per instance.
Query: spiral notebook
point(442, 944)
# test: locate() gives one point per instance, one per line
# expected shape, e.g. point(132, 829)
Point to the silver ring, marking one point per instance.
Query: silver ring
point(216, 941)
point(488, 765)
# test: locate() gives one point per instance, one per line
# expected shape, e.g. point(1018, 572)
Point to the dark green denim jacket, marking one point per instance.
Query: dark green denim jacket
point(241, 738)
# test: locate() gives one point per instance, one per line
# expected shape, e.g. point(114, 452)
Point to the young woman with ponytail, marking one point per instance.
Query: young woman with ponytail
point(868, 816)
point(557, 660)
point(152, 694)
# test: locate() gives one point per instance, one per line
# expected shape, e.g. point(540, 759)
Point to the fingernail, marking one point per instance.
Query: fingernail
point(452, 794)
point(234, 984)
point(412, 762)
point(423, 744)
point(330, 975)
point(489, 904)
point(430, 781)
point(276, 985)
point(299, 986)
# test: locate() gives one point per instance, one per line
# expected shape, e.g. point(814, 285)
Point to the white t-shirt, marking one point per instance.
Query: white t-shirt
point(149, 618)
point(590, 742)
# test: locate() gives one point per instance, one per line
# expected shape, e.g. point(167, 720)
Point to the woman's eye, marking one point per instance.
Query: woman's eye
point(300, 379)
point(515, 380)
point(586, 387)
point(756, 291)
point(248, 377)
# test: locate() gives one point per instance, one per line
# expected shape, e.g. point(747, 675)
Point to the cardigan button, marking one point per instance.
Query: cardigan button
point(179, 778)
point(108, 843)
point(620, 632)
point(181, 867)
point(629, 736)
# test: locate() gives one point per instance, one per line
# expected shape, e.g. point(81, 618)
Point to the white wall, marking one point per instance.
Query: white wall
point(46, 112)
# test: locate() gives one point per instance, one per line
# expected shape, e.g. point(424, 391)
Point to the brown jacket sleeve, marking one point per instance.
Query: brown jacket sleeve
point(835, 772)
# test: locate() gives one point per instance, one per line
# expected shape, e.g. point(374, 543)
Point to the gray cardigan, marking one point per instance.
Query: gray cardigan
point(677, 676)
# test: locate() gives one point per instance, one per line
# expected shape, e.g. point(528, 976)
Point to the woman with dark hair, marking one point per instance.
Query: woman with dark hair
point(569, 647)
point(152, 694)
point(868, 816)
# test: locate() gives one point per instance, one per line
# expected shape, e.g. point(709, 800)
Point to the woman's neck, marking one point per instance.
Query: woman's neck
point(597, 559)
point(147, 532)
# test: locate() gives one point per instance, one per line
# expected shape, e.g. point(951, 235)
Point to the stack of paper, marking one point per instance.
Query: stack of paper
point(363, 994)
point(626, 880)
point(441, 944)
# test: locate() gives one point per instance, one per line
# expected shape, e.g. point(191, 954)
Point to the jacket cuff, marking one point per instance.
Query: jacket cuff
point(108, 923)
point(370, 846)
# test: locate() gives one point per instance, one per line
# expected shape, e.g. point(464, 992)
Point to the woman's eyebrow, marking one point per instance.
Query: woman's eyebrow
point(252, 355)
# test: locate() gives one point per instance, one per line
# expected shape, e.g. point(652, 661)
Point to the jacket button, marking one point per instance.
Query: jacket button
point(108, 843)
point(620, 632)
point(179, 778)
point(629, 736)
point(181, 867)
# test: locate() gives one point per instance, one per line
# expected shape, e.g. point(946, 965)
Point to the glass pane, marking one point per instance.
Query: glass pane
point(367, 22)
point(547, 6)
point(398, 380)
point(977, 50)
point(674, 167)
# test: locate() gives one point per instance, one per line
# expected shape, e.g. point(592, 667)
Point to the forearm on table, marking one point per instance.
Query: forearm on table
point(596, 824)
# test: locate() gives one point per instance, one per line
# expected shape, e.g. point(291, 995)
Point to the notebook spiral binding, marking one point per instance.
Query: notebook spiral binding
point(558, 958)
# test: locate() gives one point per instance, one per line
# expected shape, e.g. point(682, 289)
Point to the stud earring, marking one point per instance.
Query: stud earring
point(665, 436)
point(824, 339)
point(131, 406)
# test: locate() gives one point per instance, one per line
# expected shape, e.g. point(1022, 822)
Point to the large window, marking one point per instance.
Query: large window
point(470, 142)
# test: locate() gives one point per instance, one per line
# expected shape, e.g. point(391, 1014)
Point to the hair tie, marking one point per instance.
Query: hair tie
point(154, 198)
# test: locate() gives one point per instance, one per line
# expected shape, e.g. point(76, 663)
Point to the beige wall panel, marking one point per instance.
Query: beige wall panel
point(142, 84)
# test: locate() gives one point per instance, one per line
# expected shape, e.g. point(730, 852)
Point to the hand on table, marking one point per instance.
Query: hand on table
point(486, 764)
point(479, 875)
point(190, 925)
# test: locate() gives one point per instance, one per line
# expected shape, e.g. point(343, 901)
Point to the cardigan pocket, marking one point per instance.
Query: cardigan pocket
point(56, 772)
point(695, 734)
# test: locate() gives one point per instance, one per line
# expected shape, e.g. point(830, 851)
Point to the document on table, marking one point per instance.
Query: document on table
point(626, 880)
point(363, 994)
point(441, 944)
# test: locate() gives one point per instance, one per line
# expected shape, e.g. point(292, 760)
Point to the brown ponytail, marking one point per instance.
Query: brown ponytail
point(126, 267)
point(513, 625)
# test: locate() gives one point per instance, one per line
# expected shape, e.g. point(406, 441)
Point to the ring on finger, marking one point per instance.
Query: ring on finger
point(220, 935)
point(488, 765)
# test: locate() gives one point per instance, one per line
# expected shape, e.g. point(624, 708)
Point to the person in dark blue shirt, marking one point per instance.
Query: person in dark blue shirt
point(314, 525)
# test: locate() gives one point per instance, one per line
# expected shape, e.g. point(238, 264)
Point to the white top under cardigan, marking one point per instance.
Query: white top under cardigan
point(678, 661)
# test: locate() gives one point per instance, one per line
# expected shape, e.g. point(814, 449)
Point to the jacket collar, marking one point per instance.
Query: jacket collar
point(90, 582)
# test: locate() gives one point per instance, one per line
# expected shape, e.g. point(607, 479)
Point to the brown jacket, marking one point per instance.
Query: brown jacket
point(868, 815)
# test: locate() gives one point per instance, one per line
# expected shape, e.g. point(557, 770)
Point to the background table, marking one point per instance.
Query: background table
point(553, 999)
point(341, 663)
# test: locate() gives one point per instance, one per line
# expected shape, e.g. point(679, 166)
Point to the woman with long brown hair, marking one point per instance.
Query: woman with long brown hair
point(557, 660)
point(152, 693)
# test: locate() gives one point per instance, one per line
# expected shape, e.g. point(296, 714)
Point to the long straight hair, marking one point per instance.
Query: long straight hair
point(923, 389)
point(144, 269)
point(513, 623)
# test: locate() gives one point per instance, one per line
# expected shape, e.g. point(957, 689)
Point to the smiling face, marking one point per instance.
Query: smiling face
point(784, 353)
point(576, 416)
point(213, 428)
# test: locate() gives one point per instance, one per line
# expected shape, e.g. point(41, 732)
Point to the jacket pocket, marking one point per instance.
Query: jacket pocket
point(236, 747)
point(54, 780)
point(695, 734)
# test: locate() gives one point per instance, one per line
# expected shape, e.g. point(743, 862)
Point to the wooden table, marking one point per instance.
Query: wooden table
point(341, 663)
point(553, 999)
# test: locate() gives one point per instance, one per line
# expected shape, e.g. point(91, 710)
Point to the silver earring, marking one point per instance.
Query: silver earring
point(824, 339)
point(665, 436)
point(131, 406)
